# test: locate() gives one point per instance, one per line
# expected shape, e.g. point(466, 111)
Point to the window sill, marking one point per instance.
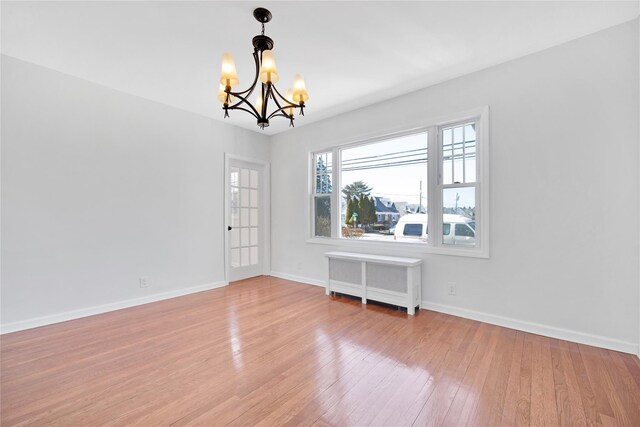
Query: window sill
point(408, 248)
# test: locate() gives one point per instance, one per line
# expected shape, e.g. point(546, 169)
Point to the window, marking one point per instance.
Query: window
point(394, 189)
point(464, 230)
point(380, 183)
point(458, 177)
point(446, 229)
point(412, 230)
point(322, 189)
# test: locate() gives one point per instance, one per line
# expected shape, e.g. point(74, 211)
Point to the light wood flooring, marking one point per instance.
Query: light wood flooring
point(273, 352)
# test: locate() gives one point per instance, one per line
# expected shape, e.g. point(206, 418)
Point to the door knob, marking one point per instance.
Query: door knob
point(229, 228)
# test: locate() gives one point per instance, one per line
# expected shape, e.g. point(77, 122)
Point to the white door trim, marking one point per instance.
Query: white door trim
point(266, 213)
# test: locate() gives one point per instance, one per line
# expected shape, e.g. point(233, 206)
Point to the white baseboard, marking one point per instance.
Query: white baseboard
point(535, 328)
point(300, 279)
point(98, 309)
point(507, 322)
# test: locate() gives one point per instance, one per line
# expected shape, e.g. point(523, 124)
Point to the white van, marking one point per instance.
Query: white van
point(456, 229)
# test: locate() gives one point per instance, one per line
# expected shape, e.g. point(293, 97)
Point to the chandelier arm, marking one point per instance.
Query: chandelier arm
point(244, 100)
point(273, 96)
point(266, 94)
point(280, 108)
point(281, 111)
point(283, 98)
point(244, 109)
point(281, 115)
point(255, 80)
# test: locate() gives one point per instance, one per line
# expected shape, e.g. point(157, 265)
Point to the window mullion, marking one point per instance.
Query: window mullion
point(461, 185)
point(434, 202)
point(335, 193)
point(464, 155)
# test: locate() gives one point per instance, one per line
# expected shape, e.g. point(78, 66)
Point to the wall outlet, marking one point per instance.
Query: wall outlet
point(452, 288)
point(144, 282)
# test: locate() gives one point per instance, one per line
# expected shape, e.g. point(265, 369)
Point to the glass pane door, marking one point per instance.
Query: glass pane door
point(245, 246)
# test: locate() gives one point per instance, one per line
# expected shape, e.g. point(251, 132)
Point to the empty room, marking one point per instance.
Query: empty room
point(330, 213)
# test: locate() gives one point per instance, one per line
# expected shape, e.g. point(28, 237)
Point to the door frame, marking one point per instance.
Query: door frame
point(265, 216)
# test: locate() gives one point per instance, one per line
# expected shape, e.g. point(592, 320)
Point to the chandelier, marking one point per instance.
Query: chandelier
point(268, 75)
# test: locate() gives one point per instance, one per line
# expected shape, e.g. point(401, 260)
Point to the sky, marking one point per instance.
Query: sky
point(406, 161)
point(399, 183)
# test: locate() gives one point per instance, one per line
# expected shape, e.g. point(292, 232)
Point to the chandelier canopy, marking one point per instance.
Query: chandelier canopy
point(267, 73)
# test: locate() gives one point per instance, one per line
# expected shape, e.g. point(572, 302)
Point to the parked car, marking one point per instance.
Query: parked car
point(456, 229)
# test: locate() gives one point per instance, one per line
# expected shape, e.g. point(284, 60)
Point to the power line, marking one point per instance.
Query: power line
point(373, 161)
point(377, 160)
point(387, 154)
point(410, 162)
point(387, 165)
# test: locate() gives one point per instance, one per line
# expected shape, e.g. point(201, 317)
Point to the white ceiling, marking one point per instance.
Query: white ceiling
point(352, 54)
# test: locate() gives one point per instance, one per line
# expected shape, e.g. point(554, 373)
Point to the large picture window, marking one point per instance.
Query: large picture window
point(422, 188)
point(380, 183)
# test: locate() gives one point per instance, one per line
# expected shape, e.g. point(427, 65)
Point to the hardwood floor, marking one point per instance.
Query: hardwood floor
point(273, 352)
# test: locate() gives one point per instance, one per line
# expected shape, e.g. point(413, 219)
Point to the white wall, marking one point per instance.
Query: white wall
point(564, 191)
point(100, 188)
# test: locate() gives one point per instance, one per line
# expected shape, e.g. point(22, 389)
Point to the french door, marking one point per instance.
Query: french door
point(246, 233)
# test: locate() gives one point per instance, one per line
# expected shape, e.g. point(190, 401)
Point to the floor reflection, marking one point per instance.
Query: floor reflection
point(235, 341)
point(363, 369)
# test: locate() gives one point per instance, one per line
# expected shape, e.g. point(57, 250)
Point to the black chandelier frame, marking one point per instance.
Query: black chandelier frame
point(269, 90)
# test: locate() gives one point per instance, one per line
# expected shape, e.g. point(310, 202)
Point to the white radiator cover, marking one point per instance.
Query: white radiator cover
point(345, 271)
point(392, 280)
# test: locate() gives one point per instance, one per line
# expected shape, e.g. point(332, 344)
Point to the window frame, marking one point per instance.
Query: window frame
point(434, 186)
point(435, 199)
point(315, 194)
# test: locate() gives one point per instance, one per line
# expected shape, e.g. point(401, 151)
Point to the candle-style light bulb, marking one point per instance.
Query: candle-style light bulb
point(300, 93)
point(268, 71)
point(228, 75)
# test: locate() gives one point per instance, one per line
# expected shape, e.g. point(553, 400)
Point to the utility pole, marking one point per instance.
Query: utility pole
point(420, 207)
